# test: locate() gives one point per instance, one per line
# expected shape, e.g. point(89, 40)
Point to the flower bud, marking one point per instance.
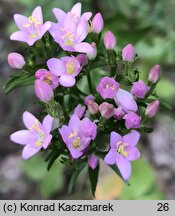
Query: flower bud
point(92, 106)
point(109, 41)
point(16, 60)
point(97, 23)
point(132, 120)
point(106, 110)
point(92, 53)
point(82, 58)
point(139, 89)
point(128, 53)
point(93, 161)
point(43, 90)
point(118, 113)
point(79, 111)
point(152, 109)
point(154, 74)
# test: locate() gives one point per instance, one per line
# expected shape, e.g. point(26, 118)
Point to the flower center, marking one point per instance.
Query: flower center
point(40, 133)
point(73, 134)
point(32, 20)
point(110, 86)
point(70, 65)
point(76, 143)
point(121, 149)
point(68, 37)
point(48, 79)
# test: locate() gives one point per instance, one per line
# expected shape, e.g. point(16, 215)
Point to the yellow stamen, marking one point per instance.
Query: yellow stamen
point(121, 149)
point(70, 67)
point(38, 143)
point(33, 36)
point(73, 134)
point(76, 143)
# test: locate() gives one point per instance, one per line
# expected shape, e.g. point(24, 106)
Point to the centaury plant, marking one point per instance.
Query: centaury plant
point(88, 114)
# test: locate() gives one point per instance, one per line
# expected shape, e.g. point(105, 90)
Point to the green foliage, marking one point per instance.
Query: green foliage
point(48, 182)
point(93, 177)
point(143, 183)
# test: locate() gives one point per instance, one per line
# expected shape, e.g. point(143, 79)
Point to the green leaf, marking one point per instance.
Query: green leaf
point(75, 176)
point(165, 105)
point(18, 80)
point(93, 176)
point(145, 130)
point(52, 157)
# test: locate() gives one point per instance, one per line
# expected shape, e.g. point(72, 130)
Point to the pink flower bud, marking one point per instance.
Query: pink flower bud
point(132, 120)
point(93, 161)
point(109, 41)
point(82, 58)
point(43, 90)
point(152, 109)
point(97, 23)
point(92, 106)
point(106, 110)
point(16, 60)
point(91, 54)
point(128, 53)
point(118, 113)
point(139, 89)
point(79, 111)
point(154, 74)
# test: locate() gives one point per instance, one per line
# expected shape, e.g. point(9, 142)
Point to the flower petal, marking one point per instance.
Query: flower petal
point(132, 138)
point(84, 48)
point(75, 153)
point(86, 16)
point(82, 32)
point(124, 167)
point(76, 9)
point(69, 24)
point(59, 14)
point(47, 124)
point(133, 153)
point(56, 66)
point(19, 36)
point(65, 132)
point(47, 25)
point(47, 141)
point(20, 21)
point(21, 137)
point(29, 151)
point(37, 14)
point(29, 119)
point(110, 158)
point(114, 139)
point(67, 80)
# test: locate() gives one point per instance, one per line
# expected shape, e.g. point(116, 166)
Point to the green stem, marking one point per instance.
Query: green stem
point(90, 82)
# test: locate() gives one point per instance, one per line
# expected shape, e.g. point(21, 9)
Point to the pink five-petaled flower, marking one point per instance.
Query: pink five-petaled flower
point(132, 120)
point(78, 135)
point(107, 87)
point(71, 30)
point(47, 77)
point(139, 89)
point(32, 28)
point(126, 101)
point(123, 151)
point(67, 68)
point(36, 137)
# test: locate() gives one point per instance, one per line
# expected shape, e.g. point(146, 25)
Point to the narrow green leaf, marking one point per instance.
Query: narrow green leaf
point(93, 176)
point(75, 176)
point(54, 156)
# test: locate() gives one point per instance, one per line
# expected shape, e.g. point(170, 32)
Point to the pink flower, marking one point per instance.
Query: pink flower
point(139, 89)
point(154, 74)
point(119, 113)
point(109, 40)
point(43, 90)
point(92, 106)
point(152, 109)
point(123, 151)
point(67, 68)
point(16, 60)
point(79, 111)
point(107, 87)
point(97, 23)
point(106, 110)
point(47, 77)
point(132, 120)
point(78, 135)
point(32, 28)
point(128, 53)
point(71, 30)
point(36, 137)
point(126, 101)
point(93, 161)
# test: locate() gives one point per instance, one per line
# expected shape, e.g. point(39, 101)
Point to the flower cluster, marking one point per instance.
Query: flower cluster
point(89, 116)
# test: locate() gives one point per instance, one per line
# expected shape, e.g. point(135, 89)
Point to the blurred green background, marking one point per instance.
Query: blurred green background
point(149, 25)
